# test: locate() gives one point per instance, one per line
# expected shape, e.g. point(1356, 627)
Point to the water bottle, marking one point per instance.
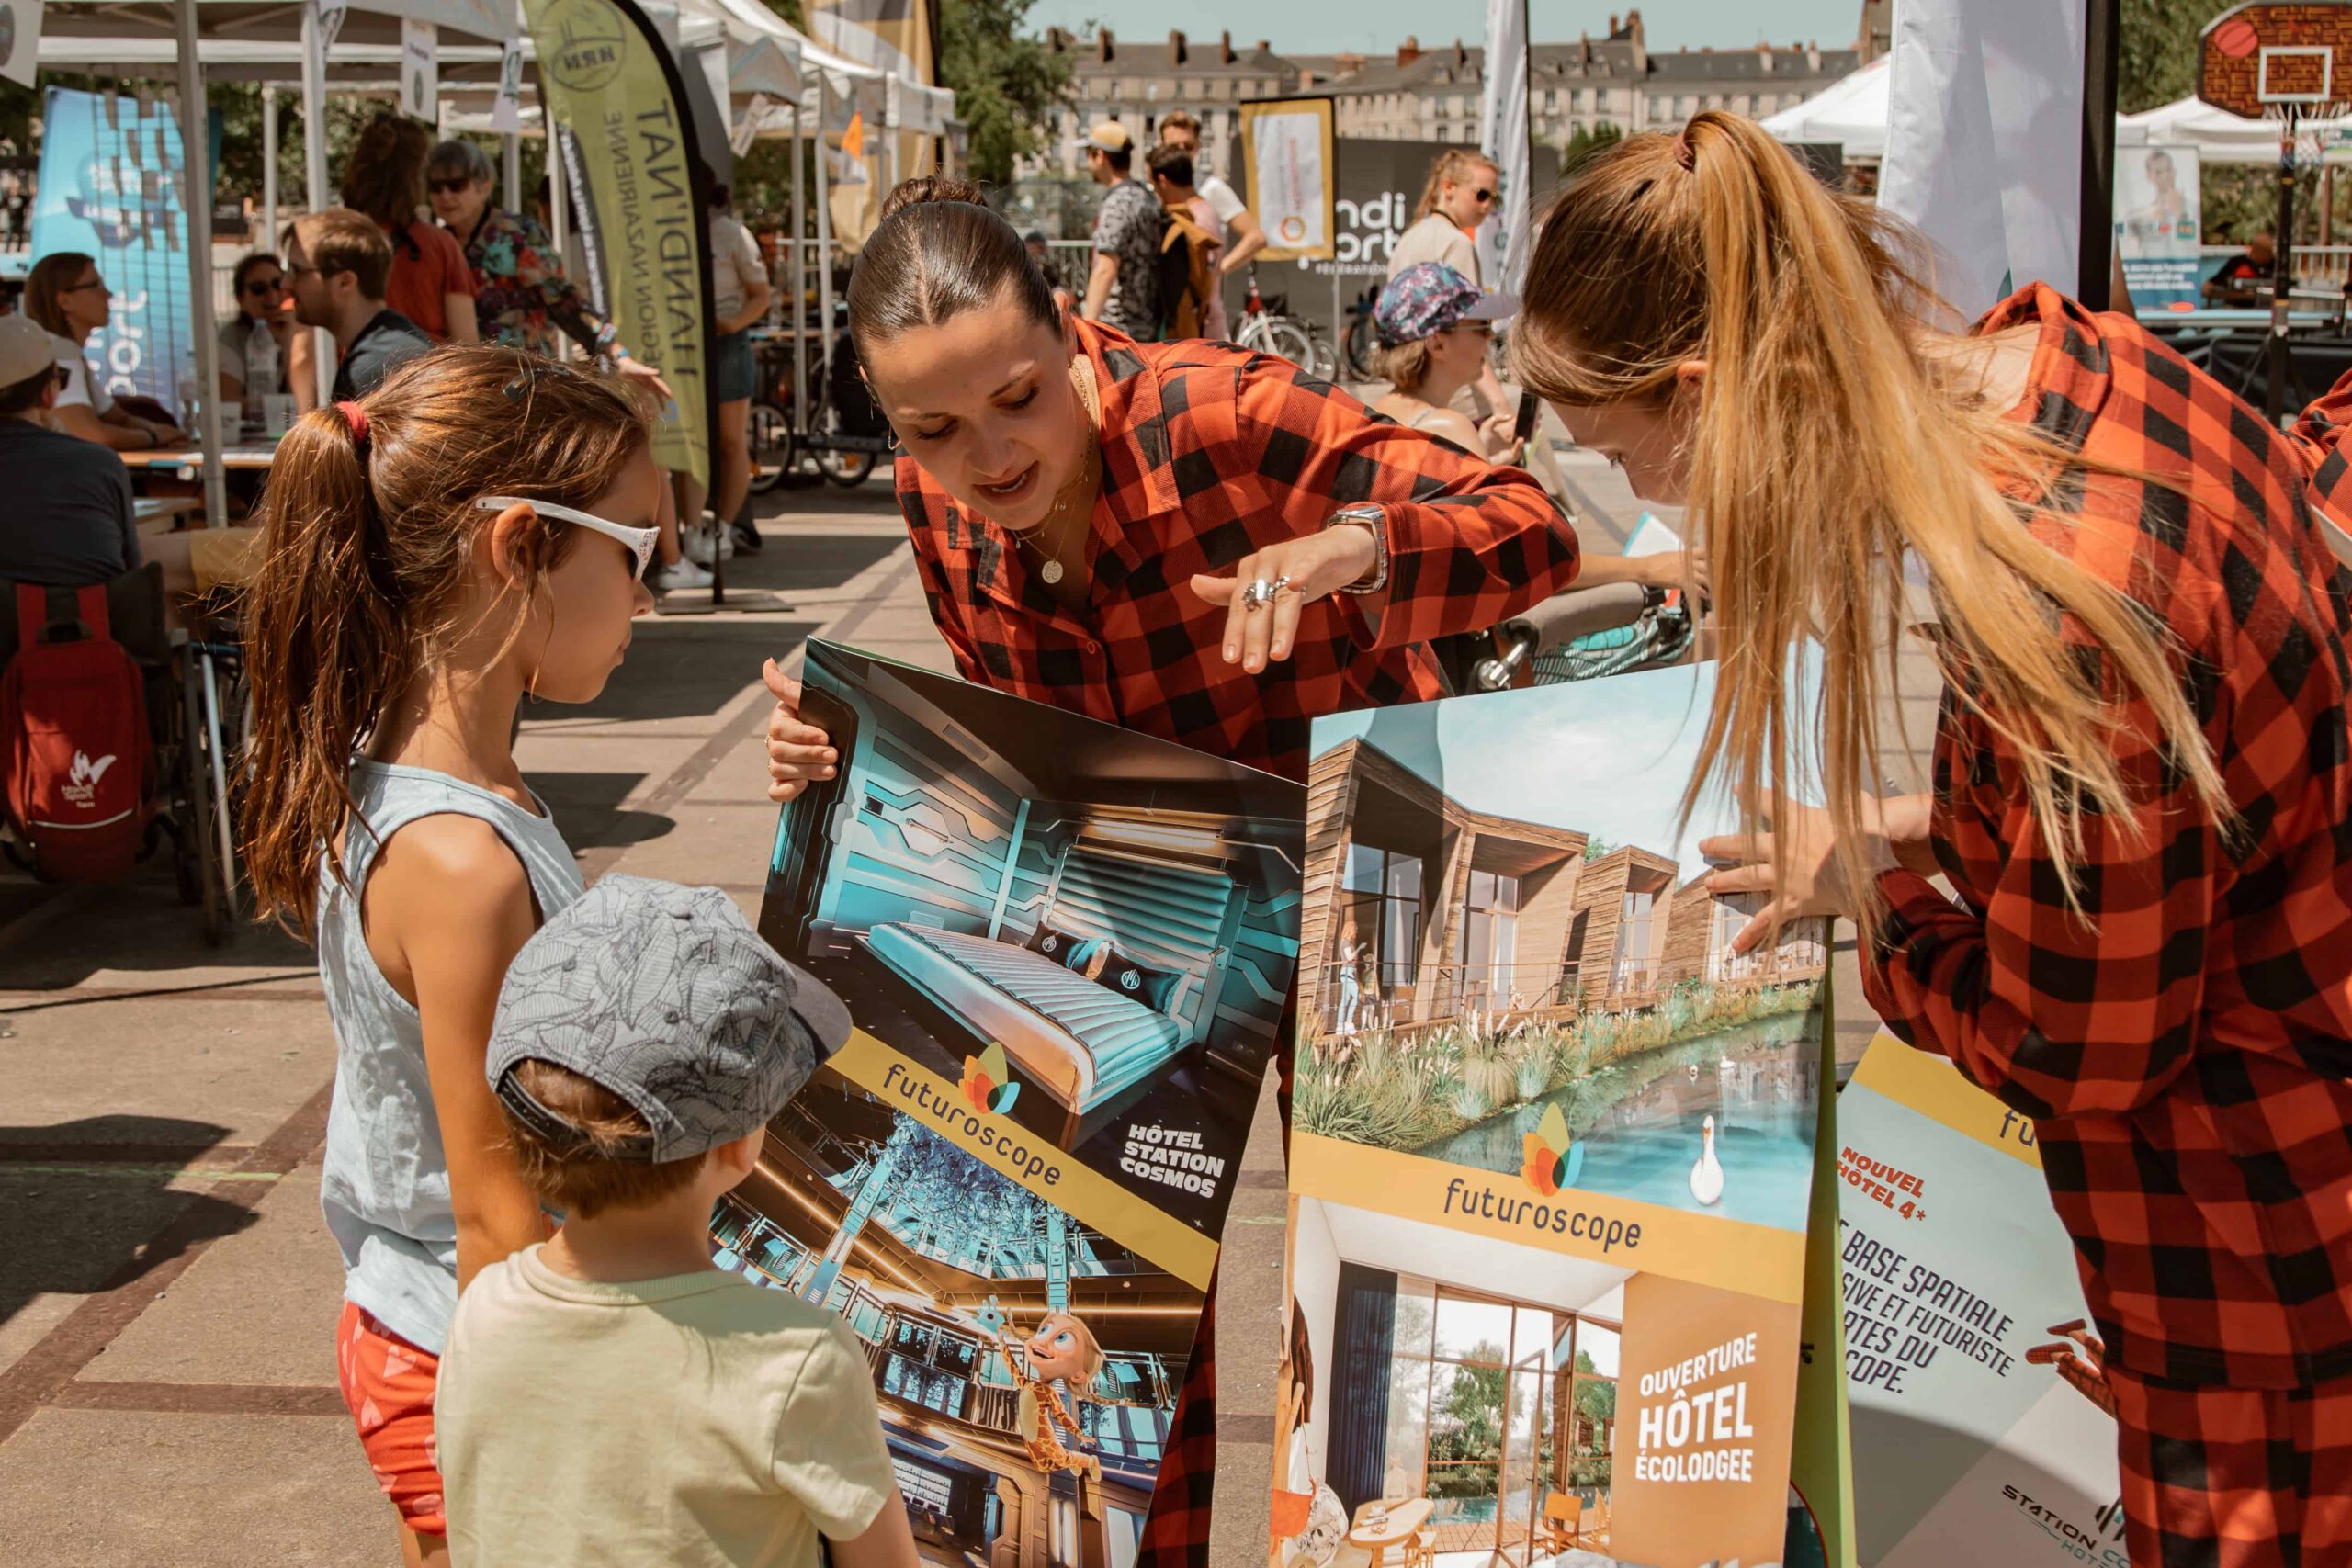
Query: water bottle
point(192, 406)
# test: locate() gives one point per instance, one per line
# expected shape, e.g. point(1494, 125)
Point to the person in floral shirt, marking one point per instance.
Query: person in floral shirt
point(521, 297)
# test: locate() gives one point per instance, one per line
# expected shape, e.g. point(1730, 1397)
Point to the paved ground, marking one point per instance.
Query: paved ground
point(167, 1289)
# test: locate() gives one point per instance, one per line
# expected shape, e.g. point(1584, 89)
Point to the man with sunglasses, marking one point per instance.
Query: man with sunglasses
point(337, 262)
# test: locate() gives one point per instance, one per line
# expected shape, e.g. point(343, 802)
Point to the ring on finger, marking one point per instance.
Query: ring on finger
point(1258, 595)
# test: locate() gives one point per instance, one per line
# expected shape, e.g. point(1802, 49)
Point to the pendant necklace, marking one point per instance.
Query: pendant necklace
point(1050, 570)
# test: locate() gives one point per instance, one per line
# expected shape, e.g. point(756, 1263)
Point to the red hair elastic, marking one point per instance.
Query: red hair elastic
point(355, 418)
point(1685, 153)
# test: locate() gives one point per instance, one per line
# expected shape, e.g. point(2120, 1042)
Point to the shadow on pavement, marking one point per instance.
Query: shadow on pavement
point(87, 1206)
point(671, 668)
point(588, 811)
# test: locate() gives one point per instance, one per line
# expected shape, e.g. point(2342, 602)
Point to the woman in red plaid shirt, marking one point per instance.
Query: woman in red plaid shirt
point(1187, 538)
point(2143, 787)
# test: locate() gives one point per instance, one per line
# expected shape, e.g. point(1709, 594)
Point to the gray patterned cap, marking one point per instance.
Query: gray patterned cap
point(665, 995)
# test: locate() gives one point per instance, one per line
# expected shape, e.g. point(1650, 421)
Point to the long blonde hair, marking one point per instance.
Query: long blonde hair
point(1830, 444)
point(1455, 164)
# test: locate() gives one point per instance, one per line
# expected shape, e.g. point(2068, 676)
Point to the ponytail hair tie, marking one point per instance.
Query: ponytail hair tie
point(355, 418)
point(1685, 152)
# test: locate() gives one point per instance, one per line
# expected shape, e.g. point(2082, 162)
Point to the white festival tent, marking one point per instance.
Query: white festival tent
point(1853, 111)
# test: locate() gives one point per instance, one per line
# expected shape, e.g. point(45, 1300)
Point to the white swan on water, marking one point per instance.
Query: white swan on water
point(1706, 1176)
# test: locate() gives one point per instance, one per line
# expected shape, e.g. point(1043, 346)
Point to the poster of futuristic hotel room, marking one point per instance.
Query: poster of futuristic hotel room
point(1068, 951)
point(1552, 1149)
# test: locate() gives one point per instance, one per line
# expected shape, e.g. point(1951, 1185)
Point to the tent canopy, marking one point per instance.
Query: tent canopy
point(1852, 111)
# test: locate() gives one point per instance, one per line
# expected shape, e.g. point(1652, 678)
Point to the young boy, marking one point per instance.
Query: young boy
point(610, 1396)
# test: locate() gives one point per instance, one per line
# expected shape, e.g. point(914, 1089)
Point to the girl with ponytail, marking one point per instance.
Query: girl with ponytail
point(2142, 779)
point(473, 530)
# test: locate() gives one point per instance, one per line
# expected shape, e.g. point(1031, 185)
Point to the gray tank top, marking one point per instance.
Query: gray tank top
point(386, 1183)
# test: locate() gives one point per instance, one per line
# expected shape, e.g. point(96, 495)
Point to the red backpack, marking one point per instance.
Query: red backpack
point(75, 773)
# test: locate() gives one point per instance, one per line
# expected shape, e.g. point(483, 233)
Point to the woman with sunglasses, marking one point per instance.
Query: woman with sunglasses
point(432, 283)
point(521, 297)
point(473, 530)
point(254, 342)
point(67, 296)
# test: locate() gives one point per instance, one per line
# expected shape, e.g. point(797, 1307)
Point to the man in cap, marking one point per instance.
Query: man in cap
point(69, 500)
point(1123, 288)
point(611, 1394)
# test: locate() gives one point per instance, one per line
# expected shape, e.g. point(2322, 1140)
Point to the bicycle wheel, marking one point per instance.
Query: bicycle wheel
point(847, 469)
point(772, 445)
point(1287, 337)
point(1356, 348)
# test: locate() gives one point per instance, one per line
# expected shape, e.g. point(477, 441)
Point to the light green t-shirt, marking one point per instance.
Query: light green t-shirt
point(697, 1419)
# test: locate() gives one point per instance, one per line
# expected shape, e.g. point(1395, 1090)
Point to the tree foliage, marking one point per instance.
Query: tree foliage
point(1582, 145)
point(2159, 51)
point(1008, 87)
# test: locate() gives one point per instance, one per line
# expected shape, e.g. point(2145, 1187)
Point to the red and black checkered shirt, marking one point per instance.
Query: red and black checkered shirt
point(2183, 1045)
point(1210, 453)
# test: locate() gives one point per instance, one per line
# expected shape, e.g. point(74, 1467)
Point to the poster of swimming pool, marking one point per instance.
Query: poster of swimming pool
point(1541, 1088)
point(1066, 950)
point(1981, 1431)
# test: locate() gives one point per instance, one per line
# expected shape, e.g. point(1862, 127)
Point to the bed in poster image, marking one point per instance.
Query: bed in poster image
point(1502, 1404)
point(964, 1287)
point(1508, 934)
point(1117, 916)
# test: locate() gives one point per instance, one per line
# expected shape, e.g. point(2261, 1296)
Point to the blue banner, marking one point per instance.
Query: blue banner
point(112, 188)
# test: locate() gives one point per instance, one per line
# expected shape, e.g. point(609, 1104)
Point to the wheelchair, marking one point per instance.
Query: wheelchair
point(197, 707)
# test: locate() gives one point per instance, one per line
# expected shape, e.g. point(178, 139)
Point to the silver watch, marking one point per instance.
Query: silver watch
point(1371, 517)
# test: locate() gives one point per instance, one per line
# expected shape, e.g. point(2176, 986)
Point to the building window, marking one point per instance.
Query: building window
point(1688, 105)
point(1658, 108)
point(1475, 1420)
point(1490, 944)
point(1383, 896)
point(1631, 970)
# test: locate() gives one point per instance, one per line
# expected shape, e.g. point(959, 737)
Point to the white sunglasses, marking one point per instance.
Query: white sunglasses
point(640, 541)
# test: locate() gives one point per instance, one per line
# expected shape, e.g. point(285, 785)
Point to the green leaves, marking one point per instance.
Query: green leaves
point(1009, 87)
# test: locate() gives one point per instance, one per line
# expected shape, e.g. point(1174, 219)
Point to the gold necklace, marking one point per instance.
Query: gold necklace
point(1078, 499)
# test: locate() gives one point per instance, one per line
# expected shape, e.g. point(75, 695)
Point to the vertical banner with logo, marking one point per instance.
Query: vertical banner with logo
point(1067, 949)
point(2159, 208)
point(506, 109)
point(1982, 1431)
point(1552, 1146)
point(112, 187)
point(1286, 154)
point(606, 77)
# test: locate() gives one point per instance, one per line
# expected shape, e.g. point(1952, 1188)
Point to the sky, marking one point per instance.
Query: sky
point(1327, 27)
point(1605, 758)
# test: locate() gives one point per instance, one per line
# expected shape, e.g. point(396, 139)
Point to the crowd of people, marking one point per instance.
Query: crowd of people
point(2144, 775)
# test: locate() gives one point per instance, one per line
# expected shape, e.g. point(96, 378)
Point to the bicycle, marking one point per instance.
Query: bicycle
point(1359, 339)
point(1266, 329)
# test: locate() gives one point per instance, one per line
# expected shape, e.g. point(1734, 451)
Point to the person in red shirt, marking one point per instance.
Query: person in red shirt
point(1187, 538)
point(384, 177)
point(2143, 789)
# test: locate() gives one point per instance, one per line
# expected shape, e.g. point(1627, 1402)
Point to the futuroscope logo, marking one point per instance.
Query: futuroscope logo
point(592, 42)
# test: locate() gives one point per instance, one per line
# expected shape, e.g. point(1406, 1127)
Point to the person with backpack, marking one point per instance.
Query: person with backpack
point(1123, 287)
point(1192, 304)
point(474, 529)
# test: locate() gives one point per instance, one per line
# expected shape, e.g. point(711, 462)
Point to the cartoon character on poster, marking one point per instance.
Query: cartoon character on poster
point(1062, 1350)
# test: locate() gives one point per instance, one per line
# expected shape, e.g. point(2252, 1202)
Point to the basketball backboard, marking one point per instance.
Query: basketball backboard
point(2265, 61)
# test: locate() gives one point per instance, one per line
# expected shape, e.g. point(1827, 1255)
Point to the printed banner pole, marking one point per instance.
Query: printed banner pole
point(196, 168)
point(608, 79)
point(320, 19)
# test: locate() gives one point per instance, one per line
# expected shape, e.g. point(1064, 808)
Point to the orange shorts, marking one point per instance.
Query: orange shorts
point(388, 1385)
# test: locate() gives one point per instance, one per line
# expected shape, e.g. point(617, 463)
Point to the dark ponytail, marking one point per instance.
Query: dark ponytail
point(938, 253)
point(367, 531)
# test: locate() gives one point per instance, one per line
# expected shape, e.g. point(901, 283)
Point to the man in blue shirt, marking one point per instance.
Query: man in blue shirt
point(338, 263)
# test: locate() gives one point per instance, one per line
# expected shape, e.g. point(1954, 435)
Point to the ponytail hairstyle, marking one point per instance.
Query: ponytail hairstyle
point(1455, 164)
point(1830, 444)
point(368, 533)
point(937, 253)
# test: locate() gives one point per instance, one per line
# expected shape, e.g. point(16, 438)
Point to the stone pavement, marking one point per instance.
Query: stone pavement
point(168, 1288)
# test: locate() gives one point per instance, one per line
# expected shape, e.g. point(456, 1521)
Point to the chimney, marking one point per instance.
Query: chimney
point(1764, 54)
point(1102, 51)
point(1813, 55)
point(1175, 47)
point(1408, 52)
point(1460, 55)
point(1225, 54)
point(1059, 39)
point(1265, 46)
point(1612, 24)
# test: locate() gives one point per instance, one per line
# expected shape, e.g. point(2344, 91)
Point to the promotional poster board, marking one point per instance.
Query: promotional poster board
point(1286, 158)
point(1980, 1432)
point(112, 187)
point(1068, 949)
point(2158, 217)
point(1552, 1150)
point(606, 78)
